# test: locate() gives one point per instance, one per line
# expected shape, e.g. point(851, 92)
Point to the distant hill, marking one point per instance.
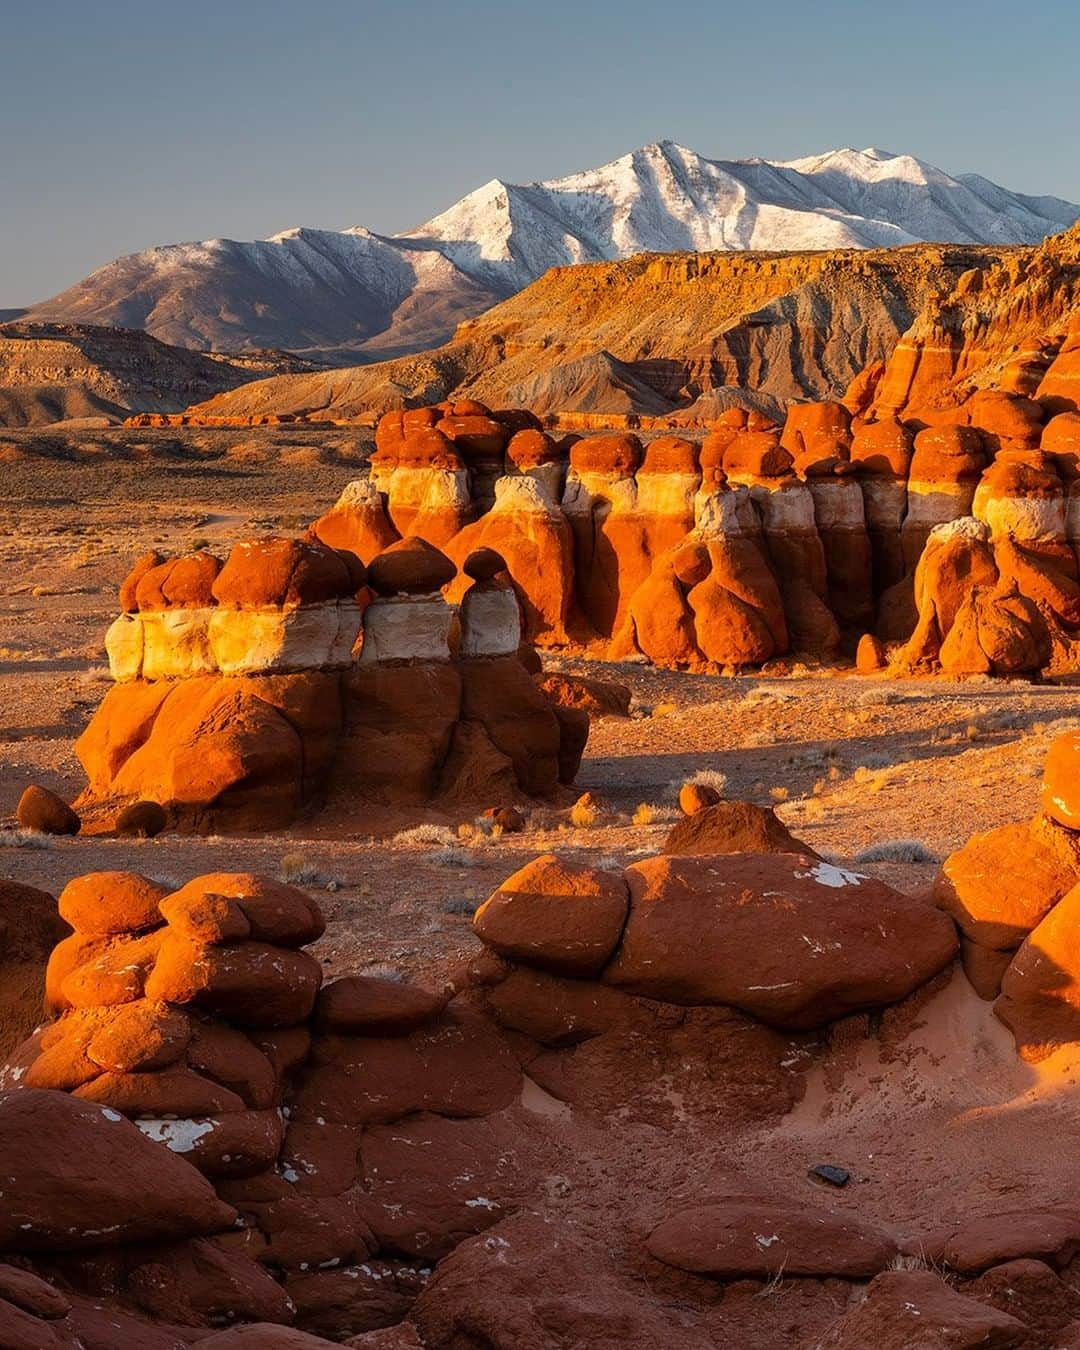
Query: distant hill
point(53, 372)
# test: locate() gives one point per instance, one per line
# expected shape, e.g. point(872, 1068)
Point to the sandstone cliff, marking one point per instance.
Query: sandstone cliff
point(652, 334)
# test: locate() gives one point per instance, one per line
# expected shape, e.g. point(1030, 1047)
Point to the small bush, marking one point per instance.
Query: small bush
point(460, 905)
point(709, 778)
point(897, 851)
point(645, 814)
point(778, 794)
point(452, 856)
point(424, 836)
point(296, 870)
point(11, 837)
point(583, 815)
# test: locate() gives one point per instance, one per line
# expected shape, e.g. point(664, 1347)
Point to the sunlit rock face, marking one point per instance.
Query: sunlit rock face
point(307, 675)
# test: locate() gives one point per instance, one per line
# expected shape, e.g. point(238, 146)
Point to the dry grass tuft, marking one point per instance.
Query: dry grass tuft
point(779, 794)
point(424, 836)
point(16, 837)
point(897, 851)
point(297, 870)
point(452, 856)
point(583, 816)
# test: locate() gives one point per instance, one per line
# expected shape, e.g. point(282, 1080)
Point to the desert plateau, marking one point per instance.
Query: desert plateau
point(539, 751)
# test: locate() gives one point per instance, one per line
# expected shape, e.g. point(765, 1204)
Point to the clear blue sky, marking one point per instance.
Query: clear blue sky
point(128, 123)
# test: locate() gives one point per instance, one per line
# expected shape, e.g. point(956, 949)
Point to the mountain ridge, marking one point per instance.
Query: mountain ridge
point(355, 295)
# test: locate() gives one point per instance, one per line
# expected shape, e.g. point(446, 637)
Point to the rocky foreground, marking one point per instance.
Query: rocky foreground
point(207, 1142)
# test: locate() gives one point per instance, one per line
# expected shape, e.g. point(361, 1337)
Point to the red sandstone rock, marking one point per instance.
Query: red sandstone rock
point(99, 903)
point(178, 583)
point(253, 983)
point(284, 573)
point(129, 586)
point(695, 797)
point(756, 1237)
point(598, 698)
point(484, 564)
point(1040, 990)
point(916, 1310)
point(1060, 795)
point(556, 915)
point(1004, 882)
point(357, 522)
point(77, 1173)
point(1051, 1235)
point(363, 1005)
point(142, 820)
point(274, 912)
point(870, 657)
point(732, 827)
point(793, 941)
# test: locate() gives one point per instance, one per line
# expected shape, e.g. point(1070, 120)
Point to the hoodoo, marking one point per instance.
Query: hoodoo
point(289, 674)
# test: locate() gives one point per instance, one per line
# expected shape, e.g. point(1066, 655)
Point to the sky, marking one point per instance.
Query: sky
point(129, 123)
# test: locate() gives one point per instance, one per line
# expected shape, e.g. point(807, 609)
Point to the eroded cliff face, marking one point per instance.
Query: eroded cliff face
point(1013, 325)
point(52, 372)
point(759, 541)
point(653, 334)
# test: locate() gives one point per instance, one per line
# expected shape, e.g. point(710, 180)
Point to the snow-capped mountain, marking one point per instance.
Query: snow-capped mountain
point(357, 295)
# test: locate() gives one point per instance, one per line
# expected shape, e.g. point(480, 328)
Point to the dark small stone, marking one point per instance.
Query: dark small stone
point(832, 1176)
point(142, 820)
point(484, 564)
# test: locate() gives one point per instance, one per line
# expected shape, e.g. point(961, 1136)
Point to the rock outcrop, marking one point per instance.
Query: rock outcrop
point(208, 1143)
point(1015, 895)
point(247, 689)
point(760, 540)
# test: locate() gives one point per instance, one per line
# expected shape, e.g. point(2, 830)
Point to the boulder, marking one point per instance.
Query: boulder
point(1004, 882)
point(748, 1238)
point(30, 928)
point(104, 903)
point(556, 915)
point(598, 698)
point(1060, 792)
point(412, 566)
point(732, 827)
point(364, 1005)
point(142, 820)
point(793, 941)
point(1040, 990)
point(283, 573)
point(976, 1244)
point(917, 1310)
point(695, 797)
point(76, 1173)
point(43, 811)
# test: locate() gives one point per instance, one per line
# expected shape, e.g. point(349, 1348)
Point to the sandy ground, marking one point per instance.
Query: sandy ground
point(938, 1117)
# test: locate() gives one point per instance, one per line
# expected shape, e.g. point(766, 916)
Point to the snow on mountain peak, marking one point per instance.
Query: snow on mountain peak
point(661, 197)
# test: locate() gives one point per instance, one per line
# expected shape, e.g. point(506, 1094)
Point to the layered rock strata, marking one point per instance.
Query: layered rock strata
point(756, 542)
point(249, 688)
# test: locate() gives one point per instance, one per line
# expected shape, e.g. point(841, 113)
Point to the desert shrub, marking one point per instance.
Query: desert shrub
point(897, 851)
point(424, 836)
point(583, 816)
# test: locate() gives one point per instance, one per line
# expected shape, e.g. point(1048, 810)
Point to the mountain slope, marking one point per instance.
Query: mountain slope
point(652, 334)
point(353, 295)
